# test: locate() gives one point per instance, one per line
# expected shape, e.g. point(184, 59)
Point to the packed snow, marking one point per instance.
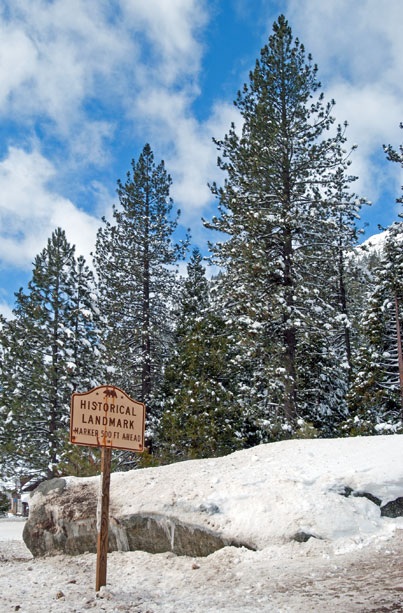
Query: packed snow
point(262, 496)
point(11, 528)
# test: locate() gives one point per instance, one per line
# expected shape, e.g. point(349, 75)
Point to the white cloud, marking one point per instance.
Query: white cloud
point(54, 56)
point(191, 154)
point(359, 50)
point(143, 59)
point(196, 154)
point(57, 56)
point(30, 210)
point(370, 127)
point(171, 28)
point(6, 310)
point(18, 58)
point(361, 39)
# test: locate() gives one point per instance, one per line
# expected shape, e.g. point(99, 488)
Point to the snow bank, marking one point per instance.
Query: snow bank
point(272, 493)
point(267, 494)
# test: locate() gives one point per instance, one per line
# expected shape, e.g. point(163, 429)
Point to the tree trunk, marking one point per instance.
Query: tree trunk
point(54, 383)
point(289, 333)
point(343, 306)
point(289, 338)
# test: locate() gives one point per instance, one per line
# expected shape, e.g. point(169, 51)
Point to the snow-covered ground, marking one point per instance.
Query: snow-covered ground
point(11, 528)
point(266, 493)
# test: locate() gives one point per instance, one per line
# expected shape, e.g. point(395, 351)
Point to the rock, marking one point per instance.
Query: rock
point(302, 537)
point(210, 509)
point(158, 534)
point(52, 484)
point(393, 508)
point(369, 497)
point(348, 491)
point(196, 507)
point(63, 519)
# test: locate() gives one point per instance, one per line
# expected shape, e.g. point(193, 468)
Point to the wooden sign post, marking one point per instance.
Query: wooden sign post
point(103, 518)
point(106, 417)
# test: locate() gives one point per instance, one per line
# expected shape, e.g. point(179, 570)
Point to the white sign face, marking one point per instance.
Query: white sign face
point(107, 417)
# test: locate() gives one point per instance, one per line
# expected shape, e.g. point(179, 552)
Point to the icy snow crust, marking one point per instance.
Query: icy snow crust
point(265, 495)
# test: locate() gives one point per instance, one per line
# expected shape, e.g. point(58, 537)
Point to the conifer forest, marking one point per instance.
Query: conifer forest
point(298, 334)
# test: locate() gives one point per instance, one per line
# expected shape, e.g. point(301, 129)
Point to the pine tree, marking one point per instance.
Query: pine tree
point(281, 210)
point(4, 503)
point(199, 418)
point(50, 349)
point(134, 259)
point(377, 392)
point(87, 352)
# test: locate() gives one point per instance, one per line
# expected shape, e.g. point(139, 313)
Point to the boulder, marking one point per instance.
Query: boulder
point(260, 497)
point(394, 508)
point(63, 519)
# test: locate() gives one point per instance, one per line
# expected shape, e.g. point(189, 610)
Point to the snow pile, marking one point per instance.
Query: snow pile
point(265, 495)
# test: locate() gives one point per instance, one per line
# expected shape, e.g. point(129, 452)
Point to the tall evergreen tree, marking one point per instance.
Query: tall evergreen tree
point(50, 349)
point(377, 392)
point(281, 210)
point(376, 396)
point(135, 258)
point(199, 418)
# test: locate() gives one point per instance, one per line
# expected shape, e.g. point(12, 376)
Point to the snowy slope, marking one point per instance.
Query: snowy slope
point(374, 243)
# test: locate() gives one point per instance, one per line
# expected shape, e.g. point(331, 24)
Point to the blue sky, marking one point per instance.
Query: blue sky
point(84, 84)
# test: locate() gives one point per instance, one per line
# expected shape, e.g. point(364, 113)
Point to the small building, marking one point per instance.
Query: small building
point(19, 504)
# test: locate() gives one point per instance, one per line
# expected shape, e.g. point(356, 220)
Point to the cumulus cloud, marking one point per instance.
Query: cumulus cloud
point(191, 153)
point(359, 49)
point(59, 62)
point(55, 54)
point(30, 210)
point(171, 28)
point(6, 310)
point(361, 40)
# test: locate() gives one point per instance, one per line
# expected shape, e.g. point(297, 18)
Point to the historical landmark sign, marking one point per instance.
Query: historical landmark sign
point(107, 417)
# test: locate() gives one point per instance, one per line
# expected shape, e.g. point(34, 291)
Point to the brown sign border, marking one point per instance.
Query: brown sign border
point(109, 446)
